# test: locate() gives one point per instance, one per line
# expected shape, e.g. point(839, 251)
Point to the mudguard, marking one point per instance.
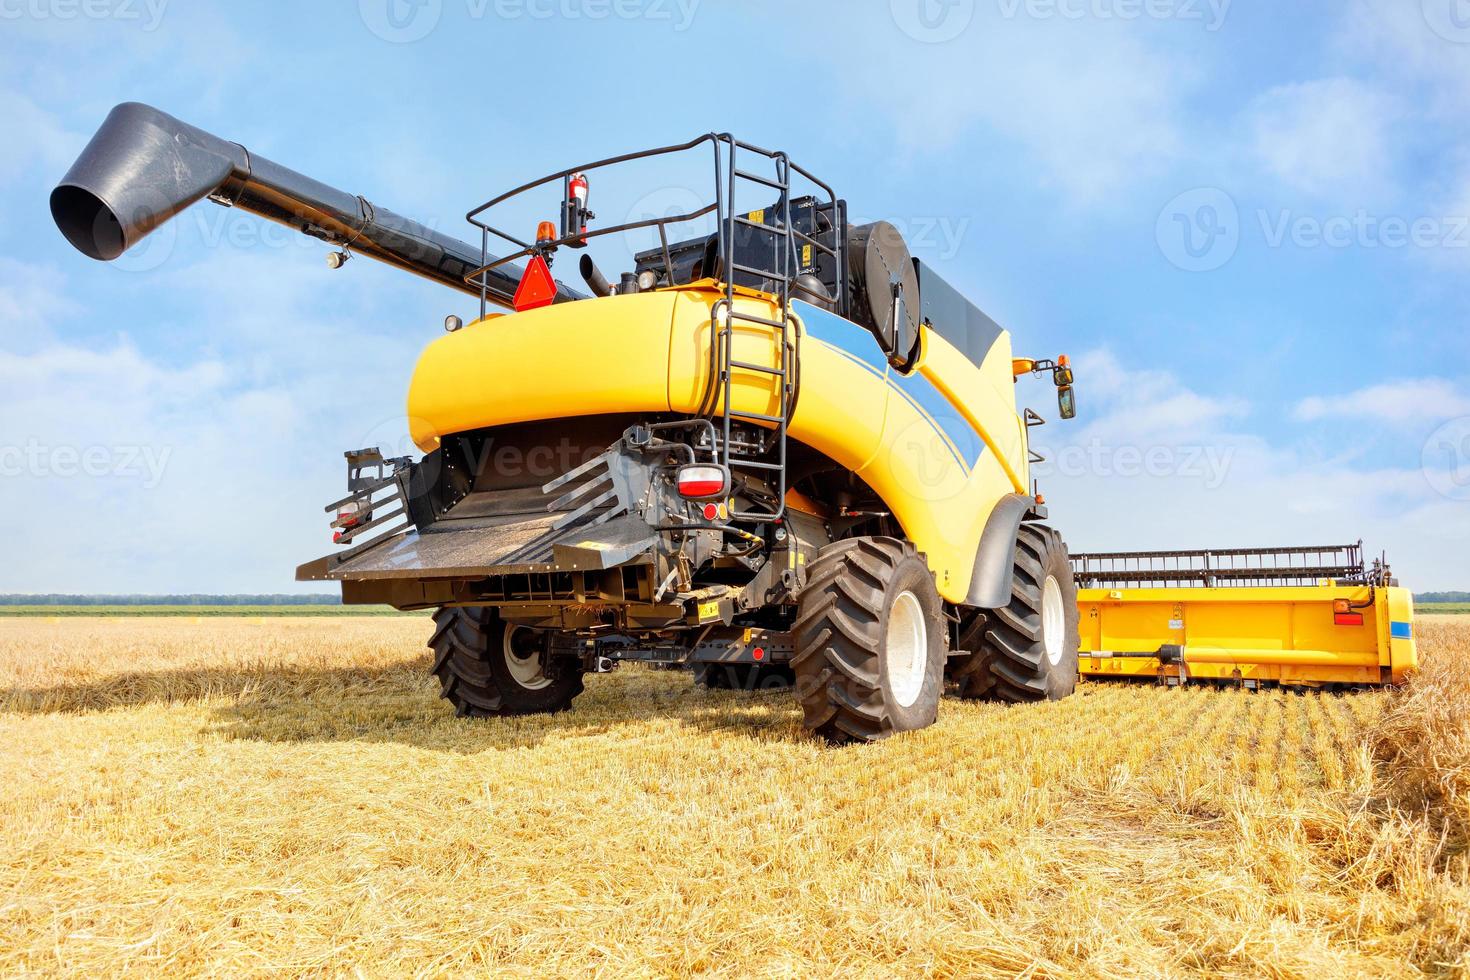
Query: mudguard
point(990, 585)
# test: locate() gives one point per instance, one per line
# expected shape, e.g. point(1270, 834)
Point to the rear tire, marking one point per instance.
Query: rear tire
point(744, 677)
point(489, 668)
point(1027, 650)
point(870, 641)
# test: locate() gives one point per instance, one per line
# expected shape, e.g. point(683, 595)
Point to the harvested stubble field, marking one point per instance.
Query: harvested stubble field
point(246, 797)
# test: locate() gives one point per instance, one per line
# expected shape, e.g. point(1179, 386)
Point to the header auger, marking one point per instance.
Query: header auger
point(778, 448)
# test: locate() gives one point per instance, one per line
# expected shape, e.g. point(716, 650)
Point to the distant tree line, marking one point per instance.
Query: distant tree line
point(1442, 597)
point(54, 599)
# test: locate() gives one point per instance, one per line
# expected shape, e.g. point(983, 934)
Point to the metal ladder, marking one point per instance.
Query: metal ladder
point(725, 318)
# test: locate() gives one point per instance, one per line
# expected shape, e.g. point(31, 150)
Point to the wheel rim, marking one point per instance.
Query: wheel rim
point(1053, 620)
point(522, 651)
point(906, 649)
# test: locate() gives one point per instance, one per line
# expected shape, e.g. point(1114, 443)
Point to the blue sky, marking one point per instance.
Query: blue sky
point(1248, 223)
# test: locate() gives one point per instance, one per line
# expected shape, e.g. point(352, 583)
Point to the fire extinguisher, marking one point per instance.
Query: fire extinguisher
point(574, 212)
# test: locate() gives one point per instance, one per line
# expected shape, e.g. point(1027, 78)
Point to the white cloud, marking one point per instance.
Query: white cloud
point(1329, 138)
point(124, 474)
point(1395, 41)
point(31, 298)
point(1131, 403)
point(1409, 400)
point(200, 463)
point(1094, 109)
point(35, 137)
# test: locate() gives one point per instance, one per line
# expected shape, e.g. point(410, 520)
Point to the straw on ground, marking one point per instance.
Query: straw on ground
point(245, 797)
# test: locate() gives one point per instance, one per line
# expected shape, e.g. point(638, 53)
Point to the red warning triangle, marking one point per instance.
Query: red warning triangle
point(537, 288)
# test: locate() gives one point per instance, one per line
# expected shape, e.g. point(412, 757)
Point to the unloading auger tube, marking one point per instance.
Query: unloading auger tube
point(144, 166)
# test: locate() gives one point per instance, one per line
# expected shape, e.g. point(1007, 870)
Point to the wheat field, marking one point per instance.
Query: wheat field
point(256, 796)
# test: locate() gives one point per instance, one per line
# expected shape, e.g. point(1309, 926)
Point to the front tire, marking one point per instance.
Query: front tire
point(870, 641)
point(1027, 650)
point(489, 668)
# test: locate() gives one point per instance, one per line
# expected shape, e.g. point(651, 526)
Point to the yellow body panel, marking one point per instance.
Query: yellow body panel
point(942, 507)
point(543, 364)
point(939, 468)
point(1268, 633)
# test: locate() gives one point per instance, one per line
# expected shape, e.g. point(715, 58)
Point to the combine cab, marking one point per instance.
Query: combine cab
point(1305, 617)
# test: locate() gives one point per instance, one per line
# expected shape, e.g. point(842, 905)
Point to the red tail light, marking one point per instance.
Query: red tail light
point(703, 482)
point(1348, 619)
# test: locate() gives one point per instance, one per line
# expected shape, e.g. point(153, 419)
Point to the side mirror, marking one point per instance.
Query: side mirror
point(1067, 401)
point(1062, 376)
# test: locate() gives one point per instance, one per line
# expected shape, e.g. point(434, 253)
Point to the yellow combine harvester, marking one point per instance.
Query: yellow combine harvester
point(781, 450)
point(1308, 616)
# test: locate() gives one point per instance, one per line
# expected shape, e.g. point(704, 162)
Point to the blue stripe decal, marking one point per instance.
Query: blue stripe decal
point(842, 334)
point(958, 438)
point(1400, 631)
point(962, 440)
